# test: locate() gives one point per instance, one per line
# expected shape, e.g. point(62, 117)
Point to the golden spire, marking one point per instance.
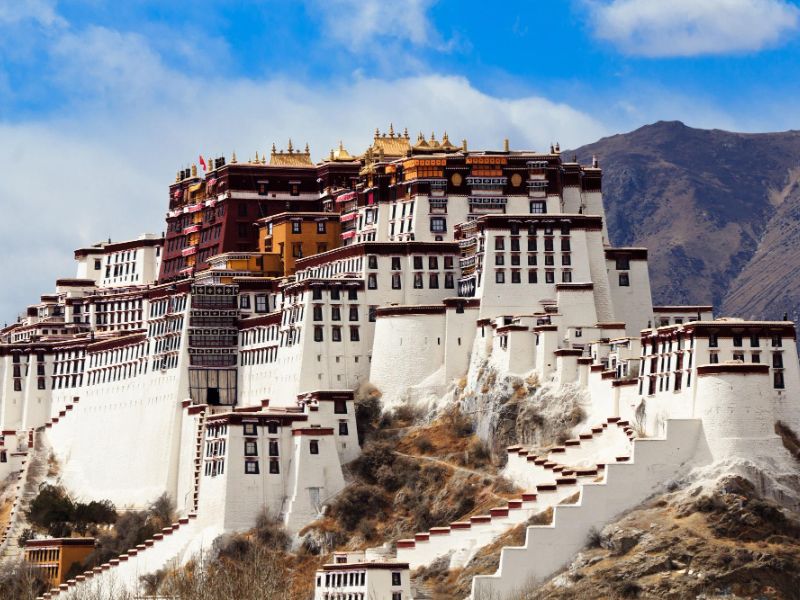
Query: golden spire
point(341, 146)
point(194, 170)
point(258, 160)
point(307, 150)
point(264, 158)
point(405, 132)
point(377, 133)
point(420, 137)
point(433, 137)
point(464, 144)
point(505, 145)
point(391, 130)
point(445, 139)
point(331, 155)
point(233, 158)
point(290, 148)
point(274, 149)
point(177, 177)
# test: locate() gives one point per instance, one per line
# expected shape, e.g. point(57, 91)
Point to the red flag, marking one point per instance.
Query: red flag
point(203, 163)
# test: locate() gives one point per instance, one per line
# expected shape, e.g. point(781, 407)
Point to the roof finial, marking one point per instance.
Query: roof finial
point(341, 145)
point(445, 139)
point(420, 137)
point(290, 149)
point(330, 157)
point(506, 147)
point(391, 130)
point(433, 137)
point(552, 149)
point(194, 170)
point(233, 157)
point(558, 148)
point(377, 133)
point(464, 144)
point(307, 150)
point(595, 162)
point(257, 159)
point(264, 158)
point(177, 177)
point(274, 149)
point(405, 132)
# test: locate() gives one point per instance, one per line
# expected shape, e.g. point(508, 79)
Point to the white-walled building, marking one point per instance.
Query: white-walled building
point(360, 576)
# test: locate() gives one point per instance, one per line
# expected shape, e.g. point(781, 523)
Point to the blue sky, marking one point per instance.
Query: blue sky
point(101, 102)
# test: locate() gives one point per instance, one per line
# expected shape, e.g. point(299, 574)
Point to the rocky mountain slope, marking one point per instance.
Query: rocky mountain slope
point(719, 212)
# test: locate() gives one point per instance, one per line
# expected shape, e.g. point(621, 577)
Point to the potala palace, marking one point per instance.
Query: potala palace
point(218, 362)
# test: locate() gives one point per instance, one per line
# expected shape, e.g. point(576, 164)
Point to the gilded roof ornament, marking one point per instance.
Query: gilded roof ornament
point(233, 158)
point(274, 149)
point(391, 130)
point(290, 148)
point(194, 170)
point(405, 132)
point(257, 159)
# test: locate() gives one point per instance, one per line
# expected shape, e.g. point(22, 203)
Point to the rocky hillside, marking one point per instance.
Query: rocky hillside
point(719, 211)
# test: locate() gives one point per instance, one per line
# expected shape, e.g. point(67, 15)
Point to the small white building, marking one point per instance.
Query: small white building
point(362, 576)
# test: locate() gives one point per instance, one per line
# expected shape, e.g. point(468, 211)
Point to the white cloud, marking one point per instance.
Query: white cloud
point(359, 24)
point(40, 11)
point(103, 169)
point(660, 28)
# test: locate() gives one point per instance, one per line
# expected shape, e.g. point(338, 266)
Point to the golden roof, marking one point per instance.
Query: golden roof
point(290, 157)
point(341, 155)
point(391, 144)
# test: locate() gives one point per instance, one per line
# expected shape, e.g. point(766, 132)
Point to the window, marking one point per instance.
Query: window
point(317, 313)
point(250, 429)
point(273, 448)
point(438, 224)
point(372, 261)
point(624, 281)
point(713, 340)
point(448, 262)
point(549, 277)
point(418, 262)
point(777, 360)
point(244, 302)
point(342, 427)
point(318, 335)
point(417, 281)
point(336, 313)
point(738, 356)
point(313, 446)
point(395, 263)
point(433, 263)
point(251, 467)
point(250, 448)
point(531, 259)
point(756, 357)
point(433, 281)
point(777, 342)
point(272, 427)
point(354, 337)
point(516, 276)
point(538, 207)
point(274, 467)
point(297, 249)
point(549, 260)
point(565, 247)
point(316, 293)
point(515, 260)
point(261, 303)
point(373, 313)
point(336, 334)
point(294, 189)
point(548, 244)
point(372, 281)
point(321, 226)
point(340, 407)
point(499, 259)
point(566, 276)
point(754, 341)
point(354, 313)
point(335, 294)
point(396, 578)
point(352, 294)
point(566, 259)
point(623, 263)
point(41, 384)
point(397, 595)
point(296, 226)
point(737, 340)
point(532, 277)
point(777, 380)
point(713, 358)
point(499, 243)
point(499, 276)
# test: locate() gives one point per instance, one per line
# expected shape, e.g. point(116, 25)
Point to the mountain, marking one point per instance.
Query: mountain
point(719, 212)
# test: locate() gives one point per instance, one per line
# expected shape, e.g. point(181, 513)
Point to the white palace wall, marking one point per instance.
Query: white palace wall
point(408, 348)
point(121, 441)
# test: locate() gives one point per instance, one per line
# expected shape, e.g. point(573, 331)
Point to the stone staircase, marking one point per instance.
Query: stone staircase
point(34, 471)
point(197, 473)
point(627, 483)
point(549, 483)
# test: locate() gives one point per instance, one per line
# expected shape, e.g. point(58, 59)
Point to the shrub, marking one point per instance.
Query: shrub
point(357, 502)
point(162, 512)
point(594, 539)
point(52, 510)
point(423, 444)
point(375, 455)
point(368, 410)
point(270, 533)
point(21, 581)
